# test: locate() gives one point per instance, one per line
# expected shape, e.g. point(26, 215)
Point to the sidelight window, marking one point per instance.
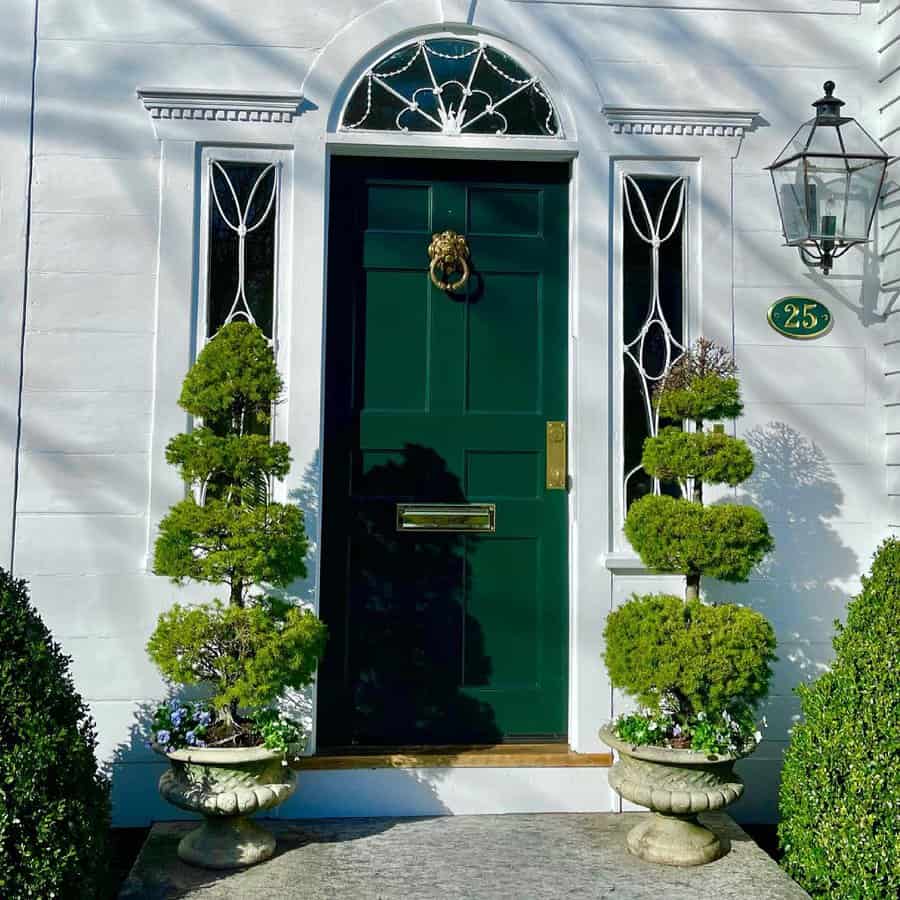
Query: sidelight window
point(653, 274)
point(242, 207)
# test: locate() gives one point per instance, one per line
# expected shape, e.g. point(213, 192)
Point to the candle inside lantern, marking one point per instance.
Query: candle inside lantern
point(829, 226)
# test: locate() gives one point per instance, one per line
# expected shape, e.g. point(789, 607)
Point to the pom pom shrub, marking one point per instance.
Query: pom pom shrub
point(840, 787)
point(700, 386)
point(249, 654)
point(679, 534)
point(711, 457)
point(712, 658)
point(54, 805)
point(698, 671)
point(675, 535)
point(229, 532)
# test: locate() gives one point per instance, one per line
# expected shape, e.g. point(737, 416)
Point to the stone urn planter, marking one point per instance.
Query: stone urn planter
point(226, 786)
point(676, 785)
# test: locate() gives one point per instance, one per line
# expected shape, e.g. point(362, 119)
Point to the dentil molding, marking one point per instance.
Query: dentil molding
point(727, 123)
point(219, 106)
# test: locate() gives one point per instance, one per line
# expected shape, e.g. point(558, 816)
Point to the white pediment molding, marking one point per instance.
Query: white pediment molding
point(219, 106)
point(726, 123)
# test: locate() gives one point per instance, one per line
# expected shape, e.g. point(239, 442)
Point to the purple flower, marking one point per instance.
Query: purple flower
point(204, 718)
point(163, 737)
point(676, 731)
point(178, 716)
point(191, 738)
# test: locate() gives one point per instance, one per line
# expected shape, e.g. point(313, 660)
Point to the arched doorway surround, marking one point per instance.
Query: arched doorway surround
point(338, 70)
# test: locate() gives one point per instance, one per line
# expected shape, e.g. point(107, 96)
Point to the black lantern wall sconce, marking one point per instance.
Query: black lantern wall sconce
point(828, 180)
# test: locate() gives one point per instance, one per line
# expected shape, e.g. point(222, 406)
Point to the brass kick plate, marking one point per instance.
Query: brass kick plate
point(455, 517)
point(556, 456)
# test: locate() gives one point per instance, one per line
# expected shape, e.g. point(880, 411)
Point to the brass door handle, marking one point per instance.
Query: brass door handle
point(556, 457)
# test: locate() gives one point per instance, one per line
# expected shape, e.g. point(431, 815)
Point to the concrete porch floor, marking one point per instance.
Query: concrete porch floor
point(513, 857)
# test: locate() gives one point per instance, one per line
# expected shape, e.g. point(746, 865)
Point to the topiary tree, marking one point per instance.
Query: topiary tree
point(228, 532)
point(840, 787)
point(681, 534)
point(698, 671)
point(54, 804)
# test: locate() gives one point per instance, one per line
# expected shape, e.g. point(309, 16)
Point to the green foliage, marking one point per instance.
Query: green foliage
point(840, 788)
point(733, 733)
point(699, 671)
point(223, 543)
point(674, 535)
point(54, 805)
point(233, 461)
point(248, 655)
point(714, 458)
point(701, 385)
point(248, 652)
point(234, 381)
point(708, 397)
point(710, 658)
point(278, 732)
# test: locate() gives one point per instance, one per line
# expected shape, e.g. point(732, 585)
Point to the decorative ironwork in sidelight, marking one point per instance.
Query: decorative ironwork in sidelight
point(451, 86)
point(242, 243)
point(653, 310)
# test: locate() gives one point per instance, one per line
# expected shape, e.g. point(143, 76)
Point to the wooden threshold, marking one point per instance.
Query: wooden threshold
point(522, 756)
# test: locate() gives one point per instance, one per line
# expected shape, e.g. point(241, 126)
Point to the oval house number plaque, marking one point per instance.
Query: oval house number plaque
point(800, 318)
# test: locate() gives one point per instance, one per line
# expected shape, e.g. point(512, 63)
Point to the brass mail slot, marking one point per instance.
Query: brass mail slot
point(446, 517)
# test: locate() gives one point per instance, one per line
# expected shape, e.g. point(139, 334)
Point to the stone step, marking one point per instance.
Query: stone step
point(510, 857)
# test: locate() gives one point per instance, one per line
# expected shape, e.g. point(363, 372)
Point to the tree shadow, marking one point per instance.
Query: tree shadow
point(794, 486)
point(801, 587)
point(404, 652)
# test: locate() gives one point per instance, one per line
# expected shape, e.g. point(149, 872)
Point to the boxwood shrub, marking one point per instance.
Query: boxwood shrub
point(54, 804)
point(840, 789)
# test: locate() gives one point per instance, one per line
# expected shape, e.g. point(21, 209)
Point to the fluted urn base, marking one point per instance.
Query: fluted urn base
point(676, 785)
point(227, 787)
point(674, 841)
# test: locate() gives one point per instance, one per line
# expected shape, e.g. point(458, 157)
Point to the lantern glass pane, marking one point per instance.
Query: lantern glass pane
point(827, 183)
point(797, 144)
point(825, 140)
point(841, 197)
point(857, 142)
point(790, 189)
point(862, 197)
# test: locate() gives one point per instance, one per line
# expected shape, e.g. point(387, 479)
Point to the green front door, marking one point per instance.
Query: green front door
point(432, 397)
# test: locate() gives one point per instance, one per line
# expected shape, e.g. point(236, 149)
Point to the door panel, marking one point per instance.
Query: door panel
point(432, 397)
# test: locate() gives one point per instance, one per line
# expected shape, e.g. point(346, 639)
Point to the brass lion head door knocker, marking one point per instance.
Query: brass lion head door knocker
point(449, 255)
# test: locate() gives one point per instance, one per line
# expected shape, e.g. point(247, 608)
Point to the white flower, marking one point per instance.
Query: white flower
point(652, 726)
point(757, 736)
point(701, 716)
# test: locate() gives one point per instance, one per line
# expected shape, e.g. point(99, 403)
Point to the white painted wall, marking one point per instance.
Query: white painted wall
point(112, 306)
point(17, 43)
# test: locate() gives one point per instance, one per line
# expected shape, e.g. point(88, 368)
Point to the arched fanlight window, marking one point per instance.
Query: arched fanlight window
point(450, 86)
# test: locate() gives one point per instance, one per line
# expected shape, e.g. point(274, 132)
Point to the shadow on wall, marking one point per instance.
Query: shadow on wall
point(801, 587)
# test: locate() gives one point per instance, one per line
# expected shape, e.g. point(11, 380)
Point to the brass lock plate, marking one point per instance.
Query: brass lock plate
point(557, 469)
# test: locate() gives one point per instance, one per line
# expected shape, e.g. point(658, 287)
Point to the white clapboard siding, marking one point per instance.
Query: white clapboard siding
point(889, 133)
point(889, 239)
